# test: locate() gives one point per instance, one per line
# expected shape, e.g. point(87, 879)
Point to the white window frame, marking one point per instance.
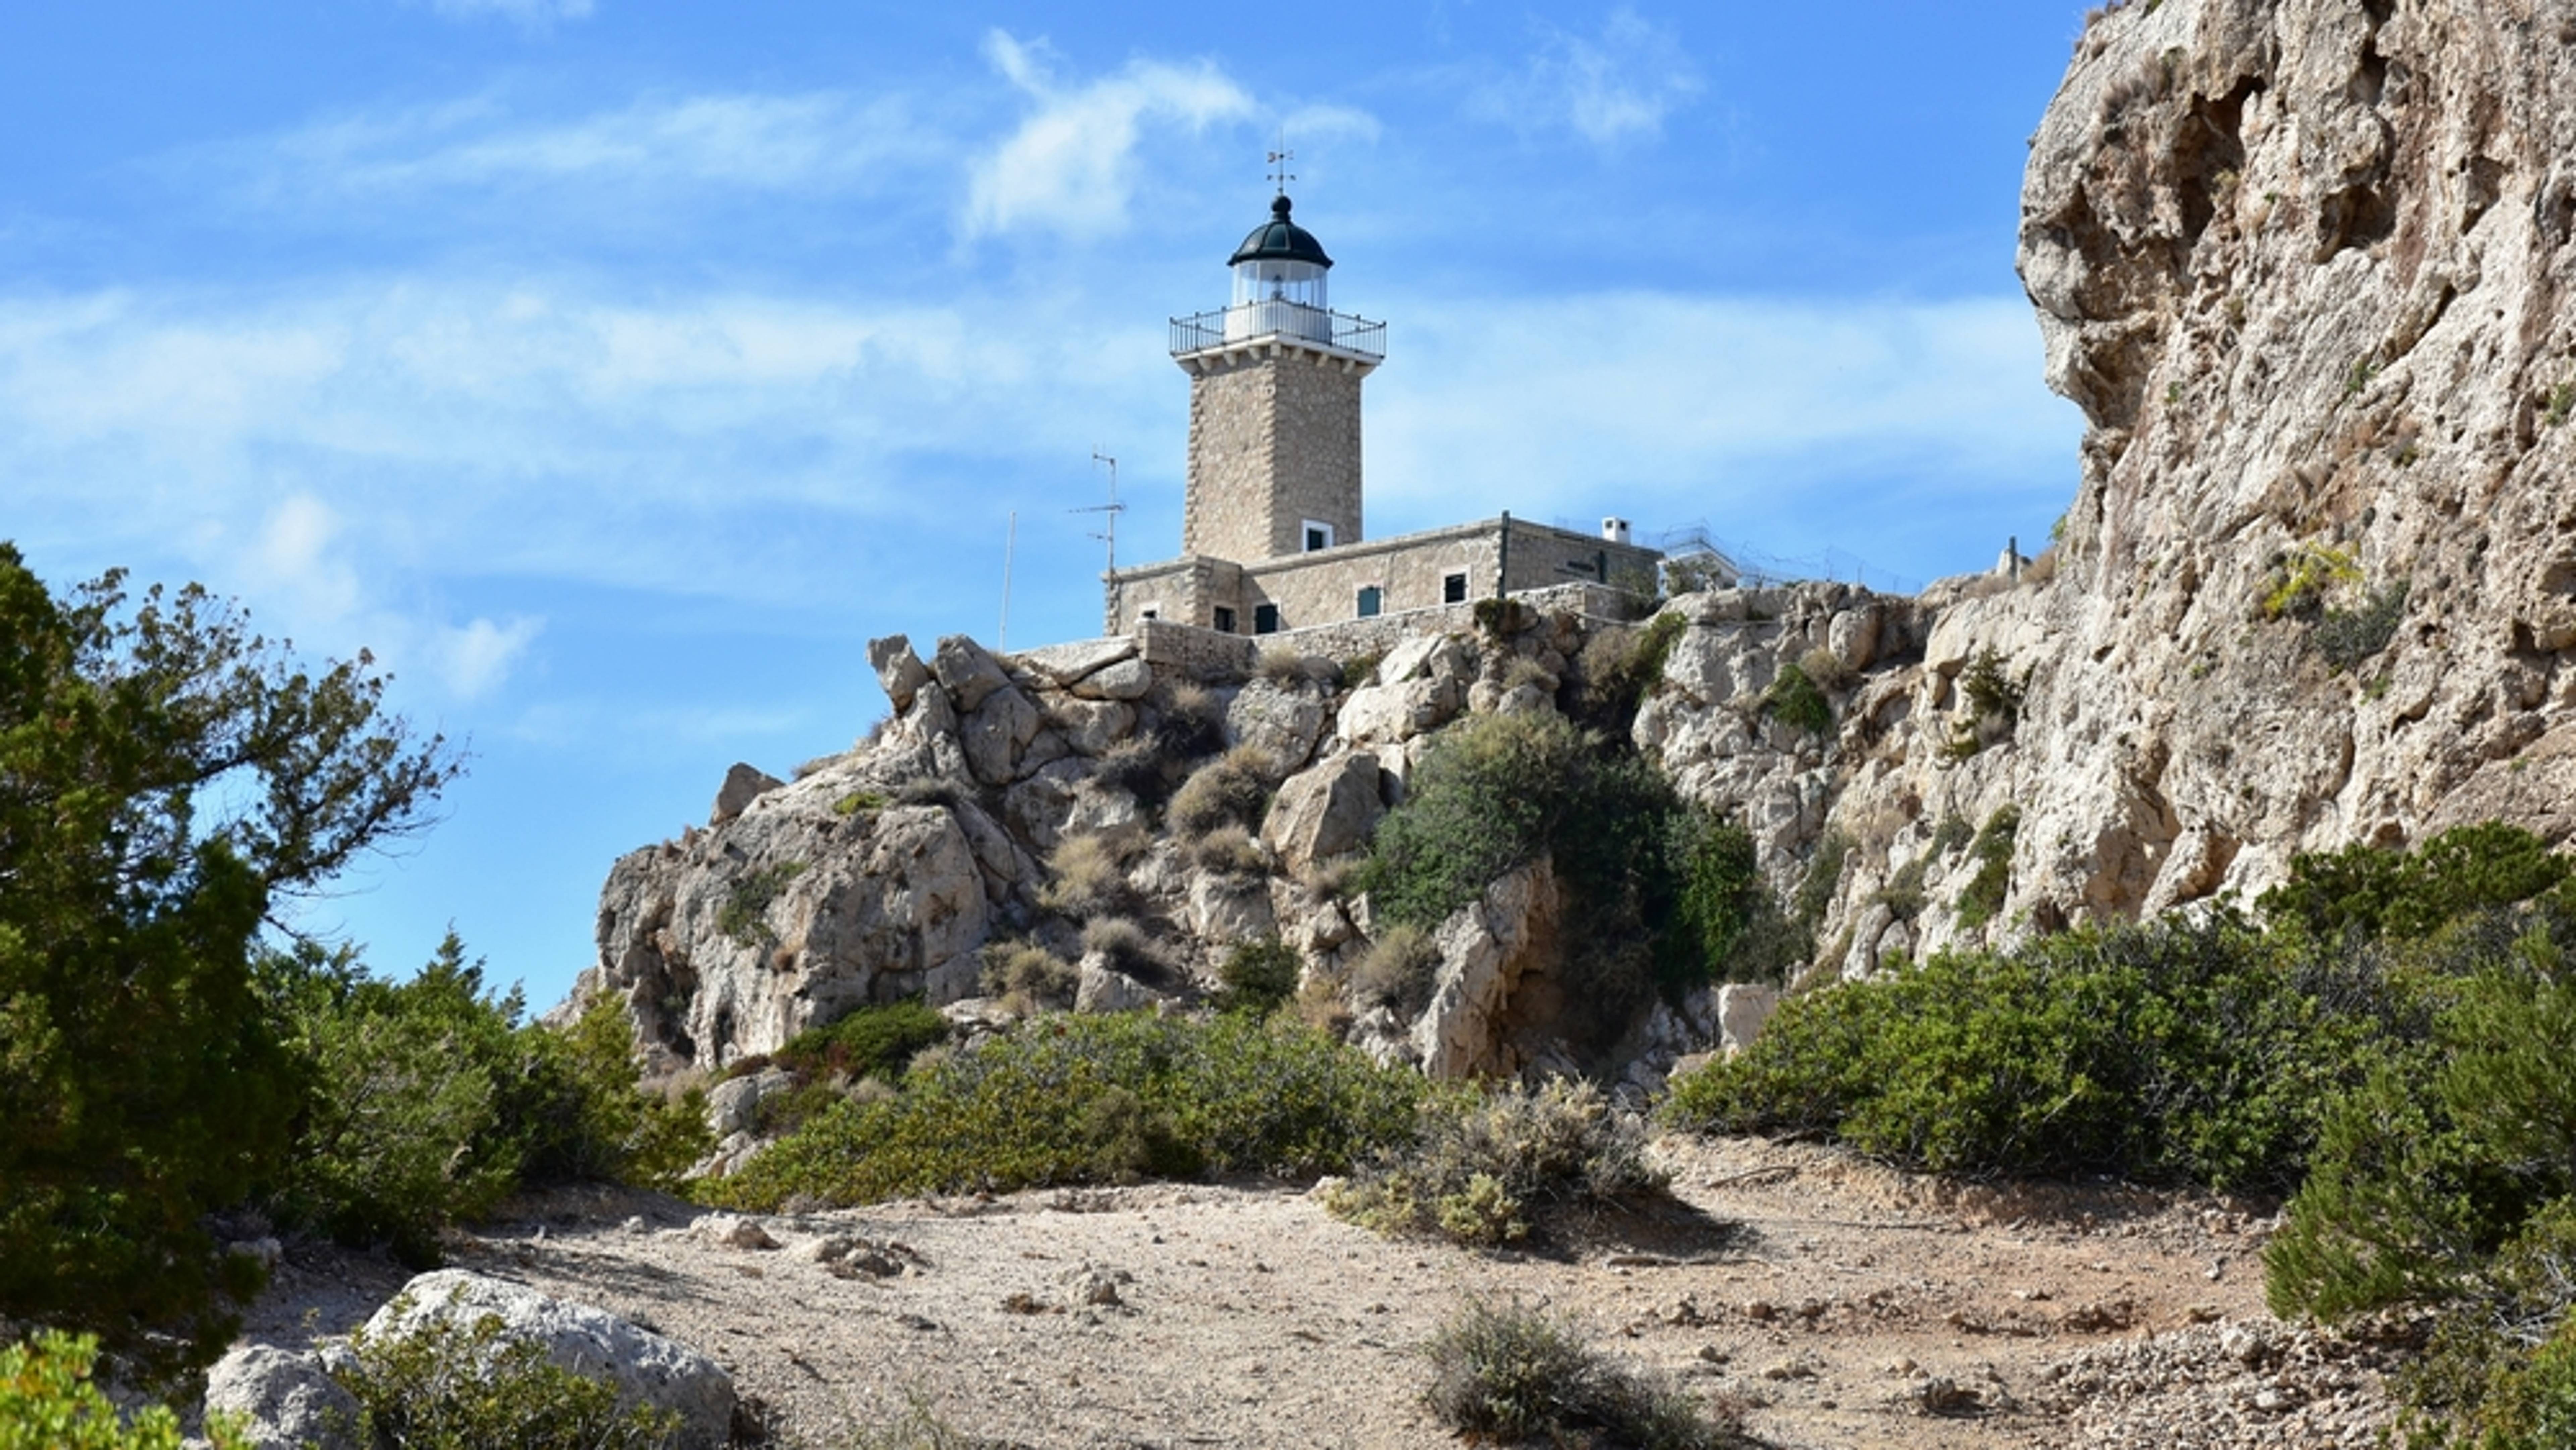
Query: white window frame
point(1312, 526)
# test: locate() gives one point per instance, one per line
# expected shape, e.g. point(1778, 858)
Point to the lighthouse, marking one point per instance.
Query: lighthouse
point(1274, 460)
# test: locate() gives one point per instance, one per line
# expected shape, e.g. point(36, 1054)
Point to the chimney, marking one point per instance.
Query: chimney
point(1615, 530)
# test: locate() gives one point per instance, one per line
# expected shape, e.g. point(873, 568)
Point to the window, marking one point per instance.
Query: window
point(1318, 536)
point(1370, 600)
point(1224, 620)
point(1149, 611)
point(1453, 589)
point(1265, 619)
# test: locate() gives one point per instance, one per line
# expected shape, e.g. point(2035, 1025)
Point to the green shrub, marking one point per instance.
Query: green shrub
point(1822, 878)
point(1725, 926)
point(442, 1385)
point(1619, 667)
point(2166, 1052)
point(48, 1401)
point(1481, 1166)
point(878, 1041)
point(1082, 1099)
point(859, 801)
point(745, 913)
point(1983, 897)
point(1794, 701)
point(432, 1101)
point(1513, 1375)
point(1258, 977)
point(2371, 892)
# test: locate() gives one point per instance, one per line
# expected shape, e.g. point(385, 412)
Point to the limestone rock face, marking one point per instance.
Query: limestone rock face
point(646, 1368)
point(2304, 266)
point(1487, 949)
point(742, 785)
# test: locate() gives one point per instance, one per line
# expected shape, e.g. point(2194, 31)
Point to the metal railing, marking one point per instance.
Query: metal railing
point(1295, 321)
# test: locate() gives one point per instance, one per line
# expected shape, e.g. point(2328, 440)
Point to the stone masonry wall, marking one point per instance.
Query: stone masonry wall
point(1274, 441)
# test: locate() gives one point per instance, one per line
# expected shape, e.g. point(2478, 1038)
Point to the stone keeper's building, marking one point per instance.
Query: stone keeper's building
point(1272, 536)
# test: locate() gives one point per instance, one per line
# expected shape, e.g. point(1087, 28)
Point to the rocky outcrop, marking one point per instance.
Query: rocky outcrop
point(282, 1399)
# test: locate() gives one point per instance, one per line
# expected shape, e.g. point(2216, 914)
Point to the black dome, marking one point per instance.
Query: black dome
point(1281, 239)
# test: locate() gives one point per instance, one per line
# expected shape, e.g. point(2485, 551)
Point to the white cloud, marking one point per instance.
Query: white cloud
point(532, 13)
point(808, 143)
point(472, 661)
point(1070, 167)
point(1607, 89)
point(1330, 123)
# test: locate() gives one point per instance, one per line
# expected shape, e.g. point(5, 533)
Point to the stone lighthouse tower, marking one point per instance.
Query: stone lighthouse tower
point(1274, 465)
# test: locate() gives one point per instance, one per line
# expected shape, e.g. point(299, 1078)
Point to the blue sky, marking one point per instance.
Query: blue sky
point(615, 370)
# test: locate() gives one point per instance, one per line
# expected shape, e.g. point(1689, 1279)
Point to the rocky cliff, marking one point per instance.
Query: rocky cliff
point(2302, 266)
point(2300, 263)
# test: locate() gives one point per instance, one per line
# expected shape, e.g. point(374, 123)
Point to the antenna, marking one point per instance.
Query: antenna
point(1112, 509)
point(1010, 541)
point(1278, 160)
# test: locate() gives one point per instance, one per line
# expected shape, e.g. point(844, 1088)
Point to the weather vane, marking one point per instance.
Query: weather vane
point(1280, 175)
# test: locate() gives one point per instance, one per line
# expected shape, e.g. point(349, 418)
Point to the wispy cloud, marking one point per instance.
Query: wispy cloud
point(535, 14)
point(1613, 87)
point(1070, 166)
point(807, 143)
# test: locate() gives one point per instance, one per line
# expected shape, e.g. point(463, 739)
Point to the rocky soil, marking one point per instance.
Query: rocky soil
point(1844, 1304)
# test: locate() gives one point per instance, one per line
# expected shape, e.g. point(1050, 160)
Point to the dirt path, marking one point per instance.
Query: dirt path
point(1848, 1305)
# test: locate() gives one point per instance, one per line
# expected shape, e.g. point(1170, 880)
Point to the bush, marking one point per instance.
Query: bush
point(876, 1041)
point(442, 1385)
point(1620, 667)
point(1398, 969)
point(1794, 701)
point(2169, 1052)
point(2370, 893)
point(1496, 792)
point(1725, 926)
point(1087, 875)
point(1137, 766)
point(1258, 977)
point(1191, 724)
point(745, 913)
point(1027, 976)
point(1480, 1167)
point(1125, 948)
point(2347, 637)
point(1983, 897)
point(432, 1102)
point(1086, 1099)
point(48, 1401)
point(1515, 1375)
point(1227, 791)
point(1230, 851)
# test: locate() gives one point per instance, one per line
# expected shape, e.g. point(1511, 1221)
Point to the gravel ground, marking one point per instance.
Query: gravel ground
point(1845, 1304)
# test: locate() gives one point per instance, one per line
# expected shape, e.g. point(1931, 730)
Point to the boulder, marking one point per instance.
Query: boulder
point(742, 785)
point(1105, 989)
point(898, 669)
point(1742, 1009)
point(285, 1400)
point(968, 672)
point(1091, 727)
point(1129, 679)
point(1325, 811)
point(996, 734)
point(646, 1368)
point(1486, 948)
point(733, 1106)
point(1225, 910)
point(1283, 722)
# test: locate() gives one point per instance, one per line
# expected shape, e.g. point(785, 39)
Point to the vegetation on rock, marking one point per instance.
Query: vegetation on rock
point(1515, 1375)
